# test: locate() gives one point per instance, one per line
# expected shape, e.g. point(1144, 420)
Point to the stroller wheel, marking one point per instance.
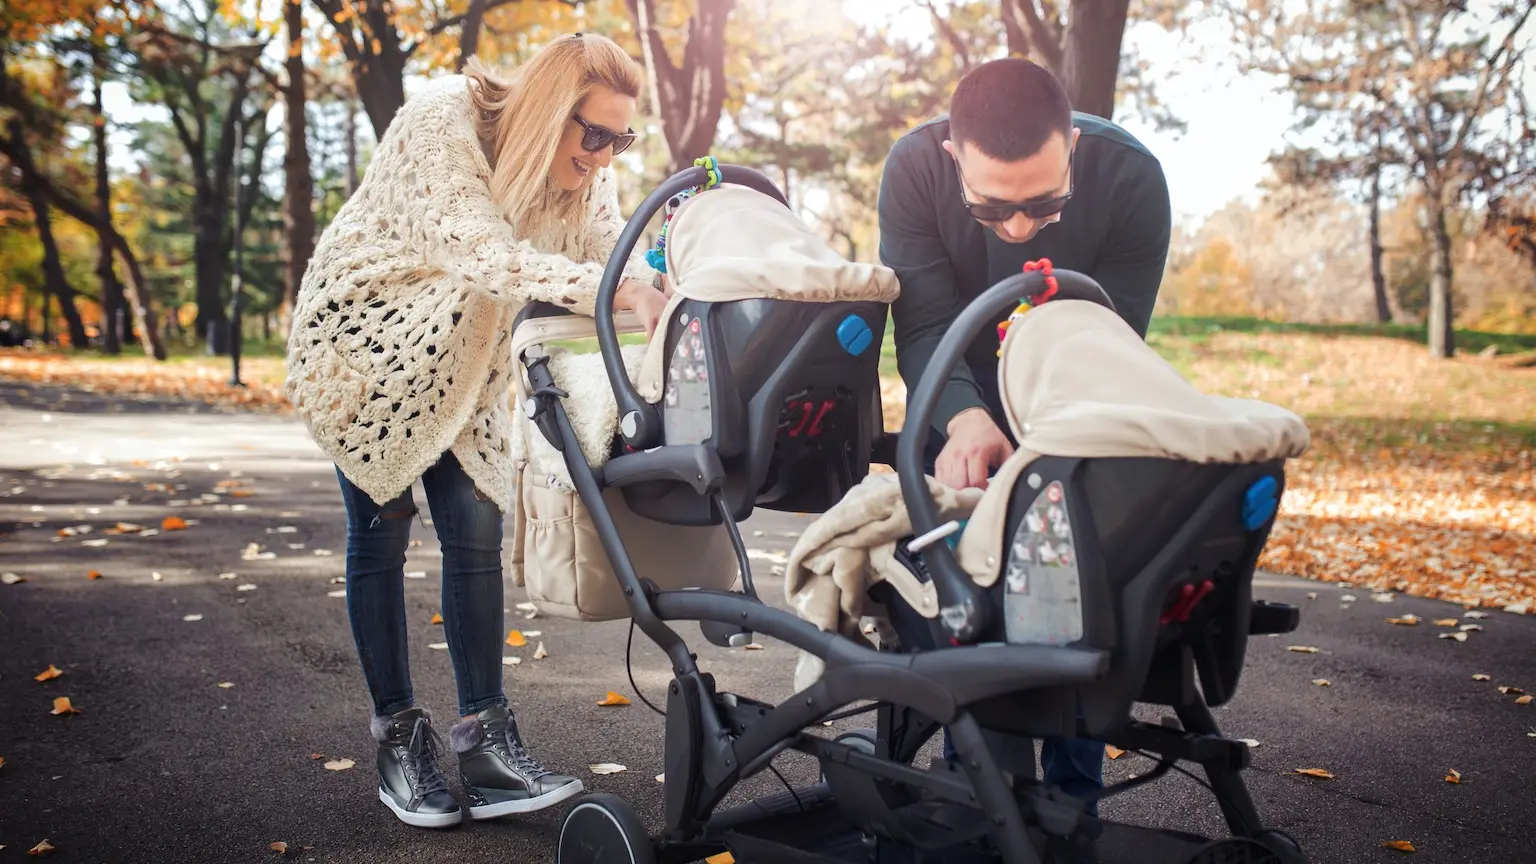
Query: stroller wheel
point(861, 738)
point(1236, 850)
point(1282, 845)
point(603, 829)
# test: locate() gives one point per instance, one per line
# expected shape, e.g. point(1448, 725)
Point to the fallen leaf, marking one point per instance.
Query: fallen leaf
point(436, 618)
point(539, 653)
point(1322, 682)
point(722, 858)
point(661, 778)
point(1251, 742)
point(172, 523)
point(415, 574)
point(1459, 637)
point(41, 849)
point(1518, 608)
point(533, 634)
point(527, 607)
point(48, 674)
point(240, 493)
point(1406, 620)
point(94, 574)
point(1399, 845)
point(511, 661)
point(613, 700)
point(2, 765)
point(156, 576)
point(95, 544)
point(1347, 598)
point(752, 646)
point(321, 553)
point(316, 756)
point(1311, 595)
point(1453, 777)
point(339, 764)
point(339, 593)
point(11, 578)
point(1523, 700)
point(1113, 752)
point(1475, 614)
point(279, 847)
point(1383, 598)
point(246, 587)
point(193, 617)
point(1446, 622)
point(1471, 628)
point(515, 639)
point(607, 768)
point(225, 685)
point(1303, 649)
point(1510, 691)
point(1316, 772)
point(61, 705)
point(1481, 677)
point(438, 646)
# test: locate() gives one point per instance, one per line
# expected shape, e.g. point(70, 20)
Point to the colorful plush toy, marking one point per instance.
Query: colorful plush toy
point(656, 256)
point(1028, 303)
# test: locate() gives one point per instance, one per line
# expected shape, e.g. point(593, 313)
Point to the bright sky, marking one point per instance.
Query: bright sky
point(1234, 122)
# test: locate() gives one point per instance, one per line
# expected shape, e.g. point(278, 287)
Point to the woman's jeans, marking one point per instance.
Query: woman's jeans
point(469, 529)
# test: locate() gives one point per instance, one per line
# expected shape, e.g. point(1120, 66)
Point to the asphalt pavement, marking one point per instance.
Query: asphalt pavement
point(209, 710)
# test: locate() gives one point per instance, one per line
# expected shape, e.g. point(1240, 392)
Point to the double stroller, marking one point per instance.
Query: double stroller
point(760, 389)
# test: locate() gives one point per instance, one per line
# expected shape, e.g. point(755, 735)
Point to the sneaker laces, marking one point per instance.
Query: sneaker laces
point(426, 745)
point(521, 758)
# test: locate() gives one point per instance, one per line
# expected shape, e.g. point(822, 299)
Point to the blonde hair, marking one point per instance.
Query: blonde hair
point(522, 117)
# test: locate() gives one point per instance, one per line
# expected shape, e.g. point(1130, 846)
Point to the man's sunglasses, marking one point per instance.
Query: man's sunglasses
point(595, 138)
point(1039, 209)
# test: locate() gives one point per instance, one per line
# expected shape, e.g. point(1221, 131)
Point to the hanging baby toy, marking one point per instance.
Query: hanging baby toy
point(656, 256)
point(1028, 303)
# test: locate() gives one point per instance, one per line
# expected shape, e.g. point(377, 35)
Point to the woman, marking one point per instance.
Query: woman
point(482, 195)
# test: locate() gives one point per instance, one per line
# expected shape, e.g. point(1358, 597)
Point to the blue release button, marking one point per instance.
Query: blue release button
point(1260, 503)
point(854, 335)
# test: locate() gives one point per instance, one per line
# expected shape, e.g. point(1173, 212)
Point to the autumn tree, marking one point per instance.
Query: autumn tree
point(687, 81)
point(1440, 81)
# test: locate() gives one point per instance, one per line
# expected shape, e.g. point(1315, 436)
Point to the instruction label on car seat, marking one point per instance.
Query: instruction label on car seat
point(686, 413)
point(1042, 600)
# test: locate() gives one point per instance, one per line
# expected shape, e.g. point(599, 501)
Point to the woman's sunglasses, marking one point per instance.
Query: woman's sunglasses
point(1040, 209)
point(595, 138)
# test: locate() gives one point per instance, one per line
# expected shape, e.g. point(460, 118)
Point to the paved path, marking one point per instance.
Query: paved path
point(164, 765)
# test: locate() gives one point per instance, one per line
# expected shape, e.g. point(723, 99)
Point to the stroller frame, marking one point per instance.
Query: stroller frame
point(714, 739)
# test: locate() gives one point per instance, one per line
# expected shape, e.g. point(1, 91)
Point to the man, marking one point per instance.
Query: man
point(1011, 175)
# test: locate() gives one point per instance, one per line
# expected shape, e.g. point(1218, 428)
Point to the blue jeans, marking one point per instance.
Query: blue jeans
point(1074, 765)
point(469, 529)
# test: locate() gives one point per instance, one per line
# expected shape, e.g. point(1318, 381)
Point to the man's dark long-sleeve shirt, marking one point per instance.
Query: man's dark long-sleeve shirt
point(1115, 229)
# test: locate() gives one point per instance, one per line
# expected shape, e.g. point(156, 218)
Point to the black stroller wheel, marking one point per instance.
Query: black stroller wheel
point(1235, 850)
point(603, 829)
point(861, 738)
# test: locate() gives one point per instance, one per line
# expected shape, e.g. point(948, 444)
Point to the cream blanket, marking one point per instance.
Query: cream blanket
point(852, 547)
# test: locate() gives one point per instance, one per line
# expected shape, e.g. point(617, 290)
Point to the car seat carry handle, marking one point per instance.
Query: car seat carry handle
point(640, 423)
point(963, 610)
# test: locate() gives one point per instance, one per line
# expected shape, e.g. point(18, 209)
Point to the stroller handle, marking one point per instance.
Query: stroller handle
point(961, 607)
point(639, 422)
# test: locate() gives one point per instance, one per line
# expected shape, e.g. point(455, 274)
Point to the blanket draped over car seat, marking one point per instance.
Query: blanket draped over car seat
point(1076, 381)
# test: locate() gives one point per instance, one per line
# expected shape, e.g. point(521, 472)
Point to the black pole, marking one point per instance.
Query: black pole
point(235, 283)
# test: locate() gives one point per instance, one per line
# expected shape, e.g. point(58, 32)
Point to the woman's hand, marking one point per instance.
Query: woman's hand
point(644, 300)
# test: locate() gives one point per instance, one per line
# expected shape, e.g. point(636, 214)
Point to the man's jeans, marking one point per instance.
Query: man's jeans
point(469, 529)
point(1074, 765)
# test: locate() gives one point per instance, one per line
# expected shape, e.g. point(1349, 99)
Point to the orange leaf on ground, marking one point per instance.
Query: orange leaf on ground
point(613, 700)
point(94, 574)
point(279, 847)
point(1322, 682)
point(1316, 772)
point(240, 493)
point(1481, 677)
point(515, 639)
point(41, 849)
point(722, 858)
point(61, 706)
point(172, 523)
point(1113, 752)
point(1406, 620)
point(2, 761)
point(436, 618)
point(1399, 845)
point(1453, 777)
point(1511, 691)
point(1447, 622)
point(48, 674)
point(1523, 700)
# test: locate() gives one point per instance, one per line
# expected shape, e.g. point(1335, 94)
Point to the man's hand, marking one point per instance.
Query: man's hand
point(644, 300)
point(975, 447)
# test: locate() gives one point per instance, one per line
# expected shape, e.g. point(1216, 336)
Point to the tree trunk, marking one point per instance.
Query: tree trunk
point(350, 132)
point(1378, 276)
point(298, 185)
point(111, 290)
point(54, 280)
point(211, 242)
point(1090, 68)
point(1442, 334)
point(469, 32)
point(691, 94)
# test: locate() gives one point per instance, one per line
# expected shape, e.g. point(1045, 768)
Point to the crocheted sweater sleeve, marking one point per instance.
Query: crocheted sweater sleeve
point(466, 234)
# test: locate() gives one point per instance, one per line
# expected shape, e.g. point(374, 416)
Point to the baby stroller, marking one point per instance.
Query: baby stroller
point(1159, 599)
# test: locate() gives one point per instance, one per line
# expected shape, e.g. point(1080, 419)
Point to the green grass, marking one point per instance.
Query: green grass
point(1471, 341)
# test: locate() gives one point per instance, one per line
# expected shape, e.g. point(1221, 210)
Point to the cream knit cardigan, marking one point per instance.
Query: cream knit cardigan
point(400, 346)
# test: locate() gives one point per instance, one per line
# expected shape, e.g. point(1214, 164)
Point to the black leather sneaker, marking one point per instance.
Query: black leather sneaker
point(410, 781)
point(499, 775)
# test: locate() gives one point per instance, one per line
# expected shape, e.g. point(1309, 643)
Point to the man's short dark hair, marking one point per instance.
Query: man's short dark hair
point(1009, 109)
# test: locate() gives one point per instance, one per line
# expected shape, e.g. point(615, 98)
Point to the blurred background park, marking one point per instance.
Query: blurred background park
point(1353, 185)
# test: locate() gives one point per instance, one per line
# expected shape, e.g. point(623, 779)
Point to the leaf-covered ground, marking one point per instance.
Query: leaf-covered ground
point(1421, 477)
